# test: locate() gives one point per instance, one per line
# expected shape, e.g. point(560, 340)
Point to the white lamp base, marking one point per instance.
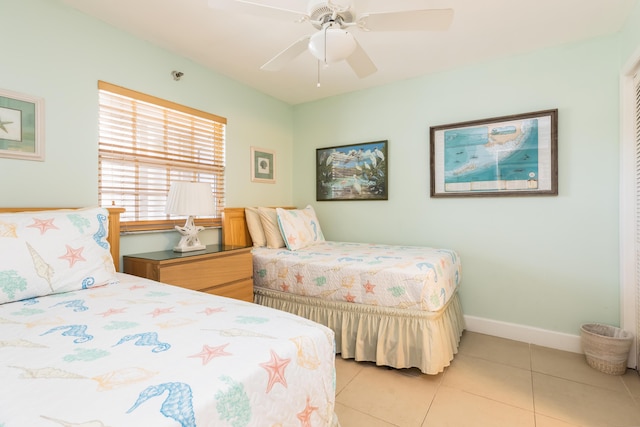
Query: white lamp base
point(189, 241)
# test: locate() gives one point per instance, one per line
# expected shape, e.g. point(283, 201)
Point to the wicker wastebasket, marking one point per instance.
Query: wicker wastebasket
point(606, 347)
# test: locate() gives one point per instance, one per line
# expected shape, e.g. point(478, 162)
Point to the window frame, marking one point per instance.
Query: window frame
point(127, 155)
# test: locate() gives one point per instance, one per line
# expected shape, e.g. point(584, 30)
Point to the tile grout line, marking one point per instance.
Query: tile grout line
point(433, 398)
point(347, 384)
point(371, 416)
point(533, 392)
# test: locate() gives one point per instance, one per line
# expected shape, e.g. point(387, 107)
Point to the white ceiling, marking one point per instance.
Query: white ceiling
point(236, 45)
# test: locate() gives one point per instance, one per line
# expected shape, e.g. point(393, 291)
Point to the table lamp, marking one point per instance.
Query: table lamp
point(190, 199)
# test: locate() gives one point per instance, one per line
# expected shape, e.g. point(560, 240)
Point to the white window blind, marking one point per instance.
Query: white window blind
point(146, 143)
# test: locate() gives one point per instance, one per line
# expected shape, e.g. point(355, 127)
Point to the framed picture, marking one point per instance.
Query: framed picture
point(352, 172)
point(504, 156)
point(21, 126)
point(263, 165)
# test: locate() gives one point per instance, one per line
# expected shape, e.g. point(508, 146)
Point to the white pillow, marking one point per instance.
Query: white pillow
point(271, 229)
point(48, 252)
point(255, 227)
point(300, 227)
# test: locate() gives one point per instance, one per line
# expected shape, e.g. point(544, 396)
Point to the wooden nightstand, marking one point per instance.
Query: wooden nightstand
point(219, 270)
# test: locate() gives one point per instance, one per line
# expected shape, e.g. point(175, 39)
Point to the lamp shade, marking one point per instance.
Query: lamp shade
point(339, 44)
point(190, 198)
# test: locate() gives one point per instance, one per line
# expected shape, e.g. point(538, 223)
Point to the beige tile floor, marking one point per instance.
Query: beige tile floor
point(492, 382)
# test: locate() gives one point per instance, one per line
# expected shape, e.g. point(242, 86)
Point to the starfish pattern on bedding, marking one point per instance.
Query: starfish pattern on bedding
point(112, 311)
point(43, 225)
point(209, 311)
point(160, 311)
point(73, 255)
point(368, 287)
point(305, 415)
point(209, 353)
point(275, 367)
point(299, 278)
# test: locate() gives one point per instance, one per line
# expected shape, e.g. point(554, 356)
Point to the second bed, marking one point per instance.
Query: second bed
point(393, 305)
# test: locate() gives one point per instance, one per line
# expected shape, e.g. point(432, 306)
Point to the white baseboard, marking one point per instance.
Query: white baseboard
point(528, 334)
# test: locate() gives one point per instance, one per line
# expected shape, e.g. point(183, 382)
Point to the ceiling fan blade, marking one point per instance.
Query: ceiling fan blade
point(410, 20)
point(360, 62)
point(289, 54)
point(259, 9)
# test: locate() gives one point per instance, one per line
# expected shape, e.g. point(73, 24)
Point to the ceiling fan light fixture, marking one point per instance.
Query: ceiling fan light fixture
point(339, 45)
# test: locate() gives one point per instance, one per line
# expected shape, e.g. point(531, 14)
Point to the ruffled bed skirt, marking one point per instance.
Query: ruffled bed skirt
point(386, 336)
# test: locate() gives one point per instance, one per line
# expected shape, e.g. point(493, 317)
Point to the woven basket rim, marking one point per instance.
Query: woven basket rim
point(625, 335)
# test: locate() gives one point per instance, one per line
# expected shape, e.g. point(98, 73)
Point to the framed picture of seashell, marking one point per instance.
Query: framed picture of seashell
point(263, 165)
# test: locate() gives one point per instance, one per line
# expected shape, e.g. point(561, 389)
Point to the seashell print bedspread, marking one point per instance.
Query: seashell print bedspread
point(404, 277)
point(141, 353)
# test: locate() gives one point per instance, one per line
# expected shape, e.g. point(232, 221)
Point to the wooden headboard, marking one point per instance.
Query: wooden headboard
point(234, 227)
point(114, 228)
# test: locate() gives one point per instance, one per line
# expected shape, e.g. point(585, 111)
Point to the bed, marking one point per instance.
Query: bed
point(84, 345)
point(396, 306)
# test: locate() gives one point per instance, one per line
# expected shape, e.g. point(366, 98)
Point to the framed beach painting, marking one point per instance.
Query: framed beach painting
point(263, 165)
point(21, 126)
point(503, 156)
point(352, 172)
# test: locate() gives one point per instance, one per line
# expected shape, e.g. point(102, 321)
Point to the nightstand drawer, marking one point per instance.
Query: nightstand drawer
point(226, 271)
point(203, 274)
point(242, 290)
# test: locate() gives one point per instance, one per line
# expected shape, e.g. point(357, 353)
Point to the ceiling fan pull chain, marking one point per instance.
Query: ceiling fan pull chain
point(325, 43)
point(318, 83)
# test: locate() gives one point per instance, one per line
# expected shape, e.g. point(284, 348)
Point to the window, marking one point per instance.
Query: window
point(146, 143)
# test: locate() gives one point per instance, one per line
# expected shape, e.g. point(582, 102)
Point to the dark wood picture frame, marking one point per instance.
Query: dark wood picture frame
point(513, 155)
point(352, 172)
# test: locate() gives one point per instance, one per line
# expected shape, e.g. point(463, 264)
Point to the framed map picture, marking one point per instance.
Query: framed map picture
point(503, 156)
point(263, 165)
point(21, 126)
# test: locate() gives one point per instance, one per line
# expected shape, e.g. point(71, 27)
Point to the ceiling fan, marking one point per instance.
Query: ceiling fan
point(332, 42)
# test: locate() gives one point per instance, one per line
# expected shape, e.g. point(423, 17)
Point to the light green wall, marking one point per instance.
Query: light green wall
point(56, 53)
point(546, 262)
point(630, 37)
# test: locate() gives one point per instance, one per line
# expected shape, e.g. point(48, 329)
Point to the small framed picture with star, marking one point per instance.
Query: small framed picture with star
point(263, 165)
point(21, 126)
